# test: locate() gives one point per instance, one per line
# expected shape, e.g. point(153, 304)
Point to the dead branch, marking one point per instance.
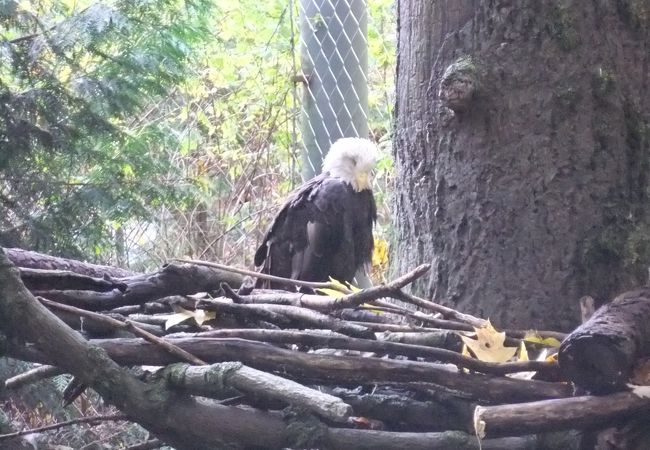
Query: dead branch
point(214, 378)
point(304, 317)
point(391, 289)
point(34, 260)
point(558, 414)
point(323, 368)
point(128, 326)
point(290, 283)
point(447, 313)
point(67, 423)
point(338, 341)
point(171, 280)
point(600, 354)
point(32, 376)
point(36, 279)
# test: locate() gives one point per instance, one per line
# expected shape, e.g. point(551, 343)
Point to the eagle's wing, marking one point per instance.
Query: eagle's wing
point(308, 232)
point(324, 229)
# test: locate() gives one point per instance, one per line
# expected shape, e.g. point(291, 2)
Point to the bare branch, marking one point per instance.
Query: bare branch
point(214, 377)
point(67, 423)
point(32, 376)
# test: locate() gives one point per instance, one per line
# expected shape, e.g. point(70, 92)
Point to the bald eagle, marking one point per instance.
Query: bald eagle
point(325, 227)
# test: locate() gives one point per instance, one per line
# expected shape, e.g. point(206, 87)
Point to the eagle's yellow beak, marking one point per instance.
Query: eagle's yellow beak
point(364, 180)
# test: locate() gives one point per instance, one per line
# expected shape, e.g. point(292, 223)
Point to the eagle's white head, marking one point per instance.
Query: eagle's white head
point(353, 160)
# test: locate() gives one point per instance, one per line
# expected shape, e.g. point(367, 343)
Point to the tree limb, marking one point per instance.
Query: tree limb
point(67, 423)
point(557, 414)
point(32, 376)
point(212, 378)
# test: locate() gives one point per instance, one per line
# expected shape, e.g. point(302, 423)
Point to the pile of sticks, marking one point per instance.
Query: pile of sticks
point(380, 359)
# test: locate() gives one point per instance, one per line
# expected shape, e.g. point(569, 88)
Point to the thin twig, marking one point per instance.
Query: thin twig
point(444, 310)
point(103, 418)
point(125, 325)
point(288, 281)
point(391, 289)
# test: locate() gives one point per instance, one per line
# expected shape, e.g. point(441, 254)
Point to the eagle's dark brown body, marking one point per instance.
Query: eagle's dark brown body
point(323, 230)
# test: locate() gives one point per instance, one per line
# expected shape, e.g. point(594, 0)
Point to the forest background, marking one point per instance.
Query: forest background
point(133, 132)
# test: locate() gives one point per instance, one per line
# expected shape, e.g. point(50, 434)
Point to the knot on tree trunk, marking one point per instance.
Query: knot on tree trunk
point(459, 84)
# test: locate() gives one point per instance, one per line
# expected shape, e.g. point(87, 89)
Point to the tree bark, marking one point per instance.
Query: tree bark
point(521, 153)
point(35, 260)
point(316, 368)
point(559, 414)
point(173, 279)
point(600, 354)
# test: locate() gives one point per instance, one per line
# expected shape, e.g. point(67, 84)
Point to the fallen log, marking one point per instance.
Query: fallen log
point(41, 279)
point(204, 380)
point(312, 368)
point(385, 345)
point(600, 354)
point(35, 260)
point(173, 279)
point(558, 414)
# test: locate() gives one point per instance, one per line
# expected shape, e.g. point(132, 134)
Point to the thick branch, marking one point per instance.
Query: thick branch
point(171, 280)
point(213, 378)
point(391, 289)
point(32, 376)
point(558, 414)
point(34, 260)
point(305, 317)
point(326, 368)
point(36, 279)
point(331, 340)
point(600, 354)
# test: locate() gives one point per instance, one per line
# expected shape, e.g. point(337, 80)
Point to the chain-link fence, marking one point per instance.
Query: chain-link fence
point(338, 71)
point(347, 51)
point(282, 82)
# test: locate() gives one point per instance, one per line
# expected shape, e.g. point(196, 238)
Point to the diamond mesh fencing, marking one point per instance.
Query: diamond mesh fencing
point(280, 83)
point(347, 60)
point(336, 75)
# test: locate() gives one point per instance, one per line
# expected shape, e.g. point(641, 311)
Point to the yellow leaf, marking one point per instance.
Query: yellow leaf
point(201, 315)
point(488, 345)
point(181, 315)
point(535, 338)
point(176, 318)
point(380, 253)
point(523, 352)
point(331, 292)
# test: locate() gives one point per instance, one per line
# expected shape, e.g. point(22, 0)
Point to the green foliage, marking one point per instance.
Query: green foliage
point(239, 128)
point(74, 77)
point(136, 131)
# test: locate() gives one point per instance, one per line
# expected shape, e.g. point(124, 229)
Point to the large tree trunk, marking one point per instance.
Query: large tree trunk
point(522, 168)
